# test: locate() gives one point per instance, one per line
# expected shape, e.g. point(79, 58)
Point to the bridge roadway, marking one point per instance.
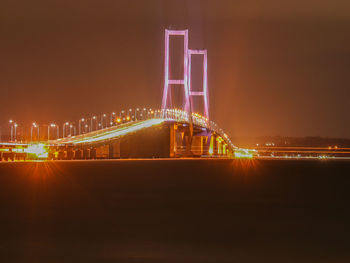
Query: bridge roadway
point(170, 136)
point(170, 133)
point(107, 134)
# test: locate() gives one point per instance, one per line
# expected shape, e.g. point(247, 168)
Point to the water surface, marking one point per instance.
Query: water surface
point(175, 211)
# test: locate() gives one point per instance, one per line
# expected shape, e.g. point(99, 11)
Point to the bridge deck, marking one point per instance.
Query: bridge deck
point(108, 133)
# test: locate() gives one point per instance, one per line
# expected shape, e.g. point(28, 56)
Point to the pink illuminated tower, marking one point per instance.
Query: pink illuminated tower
point(204, 92)
point(184, 80)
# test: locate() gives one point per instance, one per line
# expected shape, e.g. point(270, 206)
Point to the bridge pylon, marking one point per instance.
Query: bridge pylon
point(184, 80)
point(204, 93)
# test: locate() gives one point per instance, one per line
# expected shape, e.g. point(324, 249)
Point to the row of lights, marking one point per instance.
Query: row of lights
point(124, 116)
point(83, 125)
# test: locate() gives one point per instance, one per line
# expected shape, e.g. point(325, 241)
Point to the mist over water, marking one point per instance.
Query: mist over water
point(175, 211)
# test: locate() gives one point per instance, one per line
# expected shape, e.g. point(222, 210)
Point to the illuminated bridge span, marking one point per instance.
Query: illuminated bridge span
point(173, 131)
point(167, 133)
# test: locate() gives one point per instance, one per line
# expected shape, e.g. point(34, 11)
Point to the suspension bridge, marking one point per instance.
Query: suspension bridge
point(168, 132)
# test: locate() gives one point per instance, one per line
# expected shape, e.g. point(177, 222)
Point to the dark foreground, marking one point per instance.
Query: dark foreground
point(175, 211)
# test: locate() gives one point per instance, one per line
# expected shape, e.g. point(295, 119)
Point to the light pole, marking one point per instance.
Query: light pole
point(130, 113)
point(64, 129)
point(152, 113)
point(16, 125)
point(34, 125)
point(112, 117)
point(11, 127)
point(48, 132)
point(80, 121)
point(52, 125)
point(93, 118)
point(144, 113)
point(86, 128)
point(103, 116)
point(136, 112)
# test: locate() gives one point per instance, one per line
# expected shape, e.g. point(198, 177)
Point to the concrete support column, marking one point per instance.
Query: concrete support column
point(206, 144)
point(197, 145)
point(110, 151)
point(93, 153)
point(114, 150)
point(86, 153)
point(215, 145)
point(78, 154)
point(70, 154)
point(172, 134)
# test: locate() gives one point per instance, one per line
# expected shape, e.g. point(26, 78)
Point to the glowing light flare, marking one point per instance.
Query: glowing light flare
point(38, 150)
point(243, 154)
point(211, 147)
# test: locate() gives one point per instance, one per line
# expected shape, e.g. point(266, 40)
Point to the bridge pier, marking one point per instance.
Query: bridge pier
point(215, 145)
point(173, 141)
point(70, 154)
point(199, 143)
point(86, 153)
point(78, 154)
point(93, 153)
point(114, 150)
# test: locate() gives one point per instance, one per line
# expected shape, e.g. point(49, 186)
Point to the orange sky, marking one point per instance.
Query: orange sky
point(275, 67)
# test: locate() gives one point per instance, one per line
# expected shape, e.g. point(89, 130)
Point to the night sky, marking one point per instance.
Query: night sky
point(276, 67)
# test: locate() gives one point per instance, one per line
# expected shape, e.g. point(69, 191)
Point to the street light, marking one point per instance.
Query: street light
point(93, 118)
point(102, 119)
point(34, 125)
point(72, 130)
point(136, 112)
point(11, 126)
point(16, 125)
point(144, 114)
point(112, 117)
point(80, 121)
point(64, 129)
point(52, 125)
